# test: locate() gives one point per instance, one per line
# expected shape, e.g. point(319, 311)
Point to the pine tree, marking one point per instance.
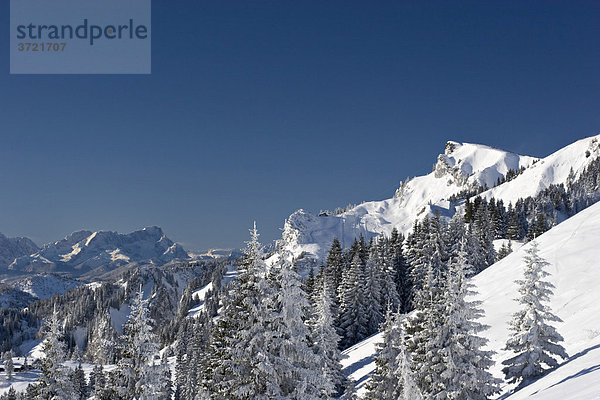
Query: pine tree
point(297, 366)
point(353, 318)
point(397, 262)
point(407, 388)
point(97, 384)
point(393, 377)
point(540, 225)
point(11, 394)
point(136, 376)
point(240, 366)
point(326, 341)
point(429, 366)
point(78, 379)
point(54, 381)
point(466, 375)
point(372, 295)
point(505, 250)
point(384, 253)
point(383, 383)
point(9, 367)
point(534, 341)
point(335, 266)
point(419, 252)
point(513, 231)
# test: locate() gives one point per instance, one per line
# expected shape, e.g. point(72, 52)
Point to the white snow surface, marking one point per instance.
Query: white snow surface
point(573, 250)
point(199, 295)
point(462, 166)
point(44, 286)
point(359, 361)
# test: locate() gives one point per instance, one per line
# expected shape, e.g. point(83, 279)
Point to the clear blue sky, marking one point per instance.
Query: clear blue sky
point(255, 109)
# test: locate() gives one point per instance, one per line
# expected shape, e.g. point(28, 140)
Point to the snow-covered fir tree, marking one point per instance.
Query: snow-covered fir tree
point(326, 341)
point(534, 340)
point(335, 267)
point(395, 261)
point(297, 365)
point(9, 367)
point(240, 365)
point(55, 381)
point(372, 295)
point(97, 384)
point(353, 316)
point(466, 375)
point(393, 377)
point(137, 376)
point(79, 383)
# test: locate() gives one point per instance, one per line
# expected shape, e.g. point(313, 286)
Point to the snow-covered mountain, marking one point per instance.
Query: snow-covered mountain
point(12, 248)
point(44, 286)
point(464, 167)
point(84, 251)
point(553, 169)
point(572, 250)
point(213, 254)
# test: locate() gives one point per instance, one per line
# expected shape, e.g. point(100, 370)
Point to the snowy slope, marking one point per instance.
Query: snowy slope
point(44, 286)
point(573, 250)
point(553, 169)
point(84, 251)
point(463, 166)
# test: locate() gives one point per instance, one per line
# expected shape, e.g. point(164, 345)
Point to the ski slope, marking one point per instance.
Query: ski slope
point(573, 250)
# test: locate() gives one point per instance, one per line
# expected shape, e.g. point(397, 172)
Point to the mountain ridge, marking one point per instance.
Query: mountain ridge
point(83, 251)
point(464, 169)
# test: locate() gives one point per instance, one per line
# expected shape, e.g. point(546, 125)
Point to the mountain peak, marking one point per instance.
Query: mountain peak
point(83, 251)
point(461, 169)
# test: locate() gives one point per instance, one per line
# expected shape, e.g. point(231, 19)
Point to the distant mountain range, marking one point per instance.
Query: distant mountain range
point(84, 251)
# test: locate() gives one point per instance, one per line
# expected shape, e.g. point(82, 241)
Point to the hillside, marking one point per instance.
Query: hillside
point(551, 170)
point(572, 250)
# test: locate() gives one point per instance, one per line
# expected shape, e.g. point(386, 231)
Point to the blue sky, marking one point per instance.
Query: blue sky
point(256, 109)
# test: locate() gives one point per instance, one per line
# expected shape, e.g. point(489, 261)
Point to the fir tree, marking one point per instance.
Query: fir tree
point(326, 341)
point(335, 266)
point(136, 376)
point(353, 317)
point(296, 365)
point(397, 262)
point(534, 341)
point(240, 365)
point(383, 383)
point(373, 297)
point(97, 384)
point(11, 394)
point(9, 367)
point(54, 381)
point(78, 379)
point(393, 377)
point(466, 375)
